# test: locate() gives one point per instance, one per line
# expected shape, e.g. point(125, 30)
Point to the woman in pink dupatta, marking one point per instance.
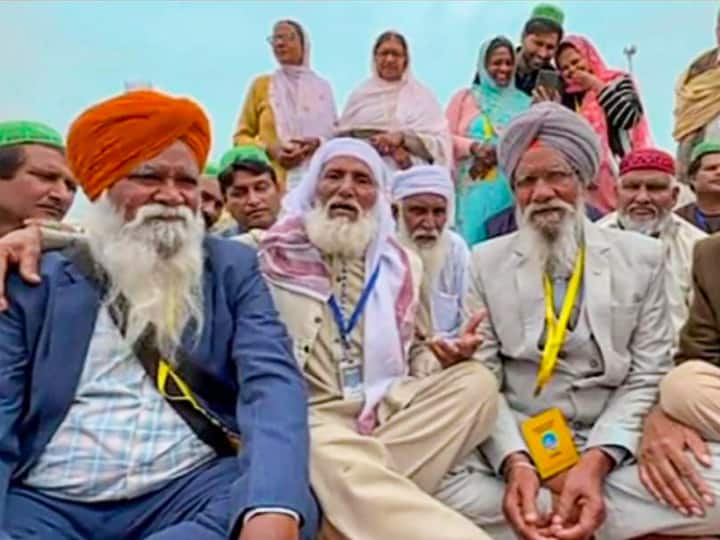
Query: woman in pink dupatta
point(396, 114)
point(290, 112)
point(609, 100)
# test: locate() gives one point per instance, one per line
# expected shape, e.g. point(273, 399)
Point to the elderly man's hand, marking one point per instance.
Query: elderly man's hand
point(451, 352)
point(270, 527)
point(665, 469)
point(519, 501)
point(20, 248)
point(583, 489)
point(540, 94)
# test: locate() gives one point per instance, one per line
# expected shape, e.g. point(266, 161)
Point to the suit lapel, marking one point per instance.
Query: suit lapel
point(530, 299)
point(597, 286)
point(62, 350)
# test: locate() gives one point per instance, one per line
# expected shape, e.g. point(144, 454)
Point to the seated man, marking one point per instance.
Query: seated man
point(424, 201)
point(704, 175)
point(35, 182)
point(211, 200)
point(251, 193)
point(386, 420)
point(687, 420)
point(131, 373)
point(646, 194)
point(578, 332)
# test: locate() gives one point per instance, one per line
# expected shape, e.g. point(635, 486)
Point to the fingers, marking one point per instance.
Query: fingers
point(515, 514)
point(674, 471)
point(698, 447)
point(29, 262)
point(4, 263)
point(592, 515)
point(667, 495)
point(474, 322)
point(649, 482)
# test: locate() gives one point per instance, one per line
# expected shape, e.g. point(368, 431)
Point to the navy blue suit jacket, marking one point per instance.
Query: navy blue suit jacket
point(44, 339)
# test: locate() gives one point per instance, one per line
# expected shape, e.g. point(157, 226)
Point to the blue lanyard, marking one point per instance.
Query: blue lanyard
point(700, 220)
point(346, 328)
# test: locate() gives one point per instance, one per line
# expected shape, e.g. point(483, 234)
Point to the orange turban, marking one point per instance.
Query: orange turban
point(109, 140)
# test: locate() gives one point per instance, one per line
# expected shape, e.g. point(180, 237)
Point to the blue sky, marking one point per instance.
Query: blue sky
point(59, 57)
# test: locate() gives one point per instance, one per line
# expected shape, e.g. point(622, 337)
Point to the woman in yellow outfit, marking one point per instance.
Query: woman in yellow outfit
point(288, 112)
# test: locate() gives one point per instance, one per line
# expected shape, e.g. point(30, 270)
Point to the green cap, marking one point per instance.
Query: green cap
point(27, 132)
point(548, 12)
point(211, 170)
point(704, 148)
point(248, 152)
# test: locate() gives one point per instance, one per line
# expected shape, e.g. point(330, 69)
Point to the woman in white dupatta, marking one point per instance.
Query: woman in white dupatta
point(395, 113)
point(291, 111)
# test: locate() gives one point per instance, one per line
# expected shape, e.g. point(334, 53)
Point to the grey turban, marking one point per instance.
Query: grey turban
point(557, 127)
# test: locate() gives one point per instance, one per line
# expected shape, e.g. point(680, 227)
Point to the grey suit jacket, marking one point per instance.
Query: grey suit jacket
point(626, 306)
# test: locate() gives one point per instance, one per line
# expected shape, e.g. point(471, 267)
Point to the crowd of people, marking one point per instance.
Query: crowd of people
point(501, 320)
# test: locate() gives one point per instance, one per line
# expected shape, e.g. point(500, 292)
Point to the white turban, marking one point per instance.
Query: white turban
point(422, 179)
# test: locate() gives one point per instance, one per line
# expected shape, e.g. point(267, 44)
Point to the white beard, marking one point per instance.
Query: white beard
point(339, 236)
point(647, 227)
point(432, 256)
point(554, 247)
point(156, 264)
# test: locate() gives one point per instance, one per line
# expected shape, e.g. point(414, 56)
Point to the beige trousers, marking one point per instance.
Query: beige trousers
point(376, 487)
point(690, 393)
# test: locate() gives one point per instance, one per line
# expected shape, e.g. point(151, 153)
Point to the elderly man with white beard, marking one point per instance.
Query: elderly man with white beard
point(578, 333)
point(147, 387)
point(647, 193)
point(424, 205)
point(387, 418)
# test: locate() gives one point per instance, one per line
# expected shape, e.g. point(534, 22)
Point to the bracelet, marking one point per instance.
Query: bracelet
point(519, 463)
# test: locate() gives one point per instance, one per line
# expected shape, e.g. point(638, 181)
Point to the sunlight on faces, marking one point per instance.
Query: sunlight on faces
point(570, 61)
point(152, 252)
point(646, 199)
point(342, 221)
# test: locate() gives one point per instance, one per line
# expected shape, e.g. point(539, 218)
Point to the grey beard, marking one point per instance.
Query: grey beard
point(652, 227)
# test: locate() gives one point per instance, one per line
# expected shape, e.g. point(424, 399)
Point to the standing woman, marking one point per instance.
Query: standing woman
point(289, 112)
point(477, 116)
point(609, 100)
point(395, 113)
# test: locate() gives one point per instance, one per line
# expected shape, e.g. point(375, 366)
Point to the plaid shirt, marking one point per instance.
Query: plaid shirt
point(120, 438)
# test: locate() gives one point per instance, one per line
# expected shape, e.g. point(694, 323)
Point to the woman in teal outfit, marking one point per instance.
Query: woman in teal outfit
point(476, 117)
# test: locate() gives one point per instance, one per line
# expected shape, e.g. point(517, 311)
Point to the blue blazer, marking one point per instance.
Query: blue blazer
point(44, 339)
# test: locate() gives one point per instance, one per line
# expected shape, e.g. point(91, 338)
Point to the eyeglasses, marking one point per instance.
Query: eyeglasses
point(281, 38)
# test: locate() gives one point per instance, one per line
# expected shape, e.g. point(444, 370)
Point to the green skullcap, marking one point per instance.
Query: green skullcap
point(26, 132)
point(211, 170)
point(704, 148)
point(248, 152)
point(548, 12)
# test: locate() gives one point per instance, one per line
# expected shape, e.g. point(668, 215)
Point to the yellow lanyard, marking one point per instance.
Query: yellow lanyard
point(556, 329)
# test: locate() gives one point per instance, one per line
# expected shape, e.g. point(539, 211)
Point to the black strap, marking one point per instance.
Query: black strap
point(205, 426)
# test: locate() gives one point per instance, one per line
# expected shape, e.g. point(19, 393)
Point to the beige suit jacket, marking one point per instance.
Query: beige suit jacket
point(627, 308)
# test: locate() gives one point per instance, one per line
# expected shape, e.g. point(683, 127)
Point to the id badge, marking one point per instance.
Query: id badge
point(550, 442)
point(351, 381)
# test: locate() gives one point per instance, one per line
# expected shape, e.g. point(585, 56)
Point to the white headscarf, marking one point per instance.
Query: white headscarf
point(422, 179)
point(403, 105)
point(386, 345)
point(302, 102)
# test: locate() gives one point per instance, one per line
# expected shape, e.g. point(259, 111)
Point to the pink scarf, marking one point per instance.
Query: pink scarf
point(593, 112)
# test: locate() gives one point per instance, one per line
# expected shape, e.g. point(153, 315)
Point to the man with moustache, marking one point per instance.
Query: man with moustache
point(35, 182)
point(211, 200)
point(540, 38)
point(704, 176)
point(387, 417)
point(647, 192)
point(578, 333)
point(147, 387)
point(424, 205)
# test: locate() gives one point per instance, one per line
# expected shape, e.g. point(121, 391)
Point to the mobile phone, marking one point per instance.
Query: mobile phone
point(550, 79)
